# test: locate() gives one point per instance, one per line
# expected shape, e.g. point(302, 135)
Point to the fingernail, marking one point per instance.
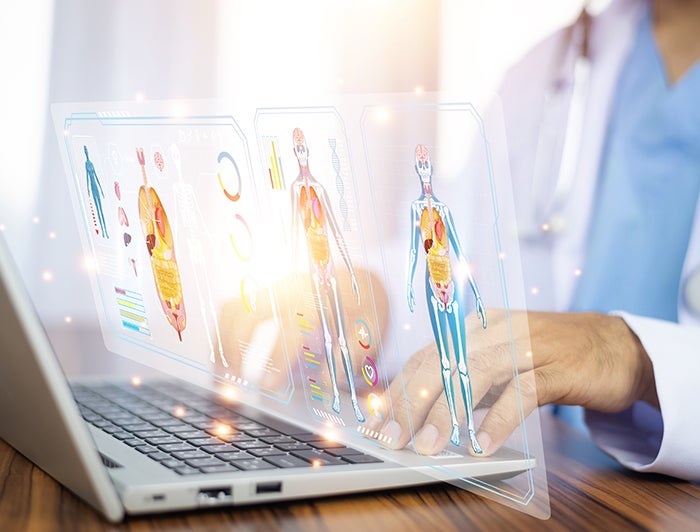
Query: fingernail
point(484, 442)
point(426, 439)
point(392, 430)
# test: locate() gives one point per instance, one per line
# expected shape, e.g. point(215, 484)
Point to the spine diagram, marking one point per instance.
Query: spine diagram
point(433, 227)
point(161, 250)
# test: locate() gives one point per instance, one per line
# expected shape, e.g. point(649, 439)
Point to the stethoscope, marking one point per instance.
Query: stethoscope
point(549, 196)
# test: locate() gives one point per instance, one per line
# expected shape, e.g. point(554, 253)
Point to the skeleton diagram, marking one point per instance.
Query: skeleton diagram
point(95, 191)
point(432, 224)
point(191, 219)
point(311, 208)
point(161, 249)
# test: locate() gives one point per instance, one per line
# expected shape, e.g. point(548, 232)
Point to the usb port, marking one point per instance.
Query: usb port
point(220, 495)
point(268, 487)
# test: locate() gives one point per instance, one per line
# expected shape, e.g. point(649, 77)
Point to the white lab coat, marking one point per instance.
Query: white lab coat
point(641, 438)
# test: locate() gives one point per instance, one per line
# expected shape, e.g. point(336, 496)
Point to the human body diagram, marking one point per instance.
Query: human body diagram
point(434, 229)
point(312, 214)
point(95, 191)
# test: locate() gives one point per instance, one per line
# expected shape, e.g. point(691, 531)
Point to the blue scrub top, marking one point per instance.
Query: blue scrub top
point(647, 191)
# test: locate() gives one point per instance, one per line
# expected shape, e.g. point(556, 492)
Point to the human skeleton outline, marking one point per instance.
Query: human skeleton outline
point(193, 225)
point(312, 209)
point(433, 226)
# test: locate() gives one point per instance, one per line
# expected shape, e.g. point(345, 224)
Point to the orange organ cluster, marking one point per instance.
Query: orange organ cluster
point(314, 225)
point(437, 248)
point(161, 249)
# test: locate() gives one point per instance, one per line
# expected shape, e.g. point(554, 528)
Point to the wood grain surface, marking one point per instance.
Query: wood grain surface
point(588, 491)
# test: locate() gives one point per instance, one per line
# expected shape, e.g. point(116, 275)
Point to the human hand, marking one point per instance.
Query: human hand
point(590, 359)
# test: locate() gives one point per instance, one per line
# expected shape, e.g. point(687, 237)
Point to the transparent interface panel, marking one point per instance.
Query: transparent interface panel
point(353, 267)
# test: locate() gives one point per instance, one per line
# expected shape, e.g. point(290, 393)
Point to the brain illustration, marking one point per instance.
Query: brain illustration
point(421, 153)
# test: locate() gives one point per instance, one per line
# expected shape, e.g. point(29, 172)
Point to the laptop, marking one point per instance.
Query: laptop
point(166, 445)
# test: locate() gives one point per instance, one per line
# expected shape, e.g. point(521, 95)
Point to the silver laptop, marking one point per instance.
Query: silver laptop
point(123, 448)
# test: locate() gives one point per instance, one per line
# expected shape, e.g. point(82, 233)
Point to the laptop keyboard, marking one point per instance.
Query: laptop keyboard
point(193, 434)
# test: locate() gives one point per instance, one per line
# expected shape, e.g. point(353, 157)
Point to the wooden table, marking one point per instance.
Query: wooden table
point(588, 491)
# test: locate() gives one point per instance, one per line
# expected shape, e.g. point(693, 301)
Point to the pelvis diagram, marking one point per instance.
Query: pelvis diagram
point(161, 250)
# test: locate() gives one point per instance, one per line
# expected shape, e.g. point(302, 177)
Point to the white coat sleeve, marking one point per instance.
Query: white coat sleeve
point(665, 440)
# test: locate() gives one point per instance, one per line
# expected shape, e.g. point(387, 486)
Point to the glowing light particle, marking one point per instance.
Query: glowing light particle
point(2, 228)
point(68, 319)
point(222, 429)
point(419, 90)
point(139, 97)
point(502, 255)
point(47, 276)
point(534, 290)
point(36, 219)
point(528, 354)
point(180, 411)
point(406, 326)
point(545, 227)
point(577, 272)
point(316, 463)
point(424, 393)
point(136, 381)
point(52, 235)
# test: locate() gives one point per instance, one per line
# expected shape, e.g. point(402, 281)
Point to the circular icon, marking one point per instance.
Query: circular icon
point(227, 177)
point(241, 238)
point(369, 372)
point(363, 334)
point(375, 406)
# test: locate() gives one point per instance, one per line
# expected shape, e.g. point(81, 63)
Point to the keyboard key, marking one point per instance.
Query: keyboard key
point(286, 461)
point(235, 455)
point(278, 439)
point(186, 470)
point(343, 451)
point(191, 455)
point(218, 449)
point(204, 462)
point(318, 457)
point(173, 447)
point(121, 435)
point(133, 442)
point(159, 456)
point(326, 444)
point(146, 449)
point(264, 432)
point(293, 446)
point(253, 465)
point(150, 433)
point(226, 468)
point(269, 451)
point(178, 428)
point(308, 437)
point(172, 463)
point(191, 434)
point(163, 440)
point(254, 444)
point(362, 459)
point(200, 442)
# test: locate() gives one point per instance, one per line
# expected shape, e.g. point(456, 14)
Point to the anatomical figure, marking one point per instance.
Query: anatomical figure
point(312, 214)
point(433, 229)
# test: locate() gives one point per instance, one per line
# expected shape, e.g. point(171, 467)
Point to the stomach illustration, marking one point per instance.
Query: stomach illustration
point(161, 250)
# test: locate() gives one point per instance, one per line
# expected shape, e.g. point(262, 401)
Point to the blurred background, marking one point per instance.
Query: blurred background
point(100, 50)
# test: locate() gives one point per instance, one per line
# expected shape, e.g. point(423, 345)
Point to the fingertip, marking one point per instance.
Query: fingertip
point(426, 440)
point(485, 443)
